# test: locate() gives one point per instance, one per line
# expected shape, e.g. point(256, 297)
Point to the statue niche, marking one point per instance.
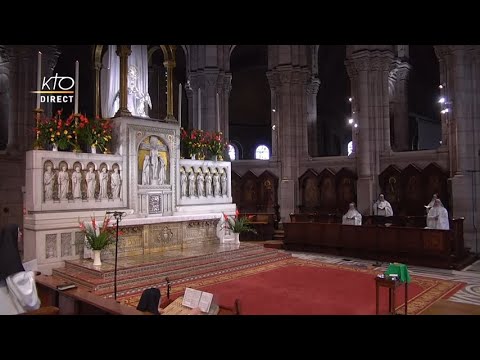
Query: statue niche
point(153, 162)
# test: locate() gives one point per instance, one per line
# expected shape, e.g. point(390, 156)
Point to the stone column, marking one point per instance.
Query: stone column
point(123, 51)
point(170, 65)
point(400, 110)
point(8, 63)
point(97, 66)
point(224, 109)
point(312, 90)
point(273, 80)
point(209, 103)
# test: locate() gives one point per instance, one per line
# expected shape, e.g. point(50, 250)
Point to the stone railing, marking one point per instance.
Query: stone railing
point(202, 182)
point(63, 181)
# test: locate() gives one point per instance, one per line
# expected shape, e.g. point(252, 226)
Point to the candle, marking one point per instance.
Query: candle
point(76, 87)
point(39, 78)
point(180, 104)
point(199, 109)
point(218, 112)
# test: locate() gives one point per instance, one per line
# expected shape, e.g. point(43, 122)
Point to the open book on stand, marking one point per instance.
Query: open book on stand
point(196, 298)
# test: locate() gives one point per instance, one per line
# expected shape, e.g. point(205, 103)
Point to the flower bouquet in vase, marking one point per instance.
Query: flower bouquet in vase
point(238, 224)
point(97, 237)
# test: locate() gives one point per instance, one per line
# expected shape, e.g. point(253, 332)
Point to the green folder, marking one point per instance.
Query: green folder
point(399, 269)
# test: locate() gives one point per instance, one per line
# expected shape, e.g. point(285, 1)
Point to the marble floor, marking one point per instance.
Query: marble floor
point(470, 294)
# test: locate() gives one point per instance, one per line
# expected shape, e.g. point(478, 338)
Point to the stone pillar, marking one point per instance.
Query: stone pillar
point(224, 109)
point(97, 66)
point(400, 110)
point(209, 102)
point(8, 72)
point(170, 65)
point(312, 90)
point(274, 83)
point(123, 51)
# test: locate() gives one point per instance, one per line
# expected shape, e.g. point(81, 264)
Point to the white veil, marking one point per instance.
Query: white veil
point(110, 78)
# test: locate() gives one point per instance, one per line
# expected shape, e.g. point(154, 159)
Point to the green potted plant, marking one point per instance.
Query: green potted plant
point(97, 237)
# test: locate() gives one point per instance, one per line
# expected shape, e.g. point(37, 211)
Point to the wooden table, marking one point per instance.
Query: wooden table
point(392, 286)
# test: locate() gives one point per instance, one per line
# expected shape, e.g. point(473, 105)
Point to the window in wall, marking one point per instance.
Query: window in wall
point(231, 152)
point(262, 153)
point(350, 148)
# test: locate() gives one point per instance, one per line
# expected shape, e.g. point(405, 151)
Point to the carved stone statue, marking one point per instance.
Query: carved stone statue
point(154, 154)
point(63, 181)
point(76, 183)
point(191, 184)
point(162, 175)
point(208, 184)
point(91, 183)
point(183, 184)
point(48, 180)
point(223, 181)
point(216, 184)
point(136, 99)
point(103, 177)
point(146, 170)
point(115, 182)
point(200, 184)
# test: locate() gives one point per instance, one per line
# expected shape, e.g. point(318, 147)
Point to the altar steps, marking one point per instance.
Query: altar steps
point(136, 278)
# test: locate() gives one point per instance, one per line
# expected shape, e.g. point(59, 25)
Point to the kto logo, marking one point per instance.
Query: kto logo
point(61, 85)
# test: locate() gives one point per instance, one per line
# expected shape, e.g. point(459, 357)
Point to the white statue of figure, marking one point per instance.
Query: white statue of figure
point(200, 184)
point(137, 82)
point(352, 216)
point(183, 184)
point(48, 180)
point(154, 154)
point(103, 178)
point(437, 217)
point(382, 207)
point(162, 174)
point(63, 181)
point(208, 184)
point(77, 183)
point(191, 184)
point(91, 183)
point(216, 184)
point(223, 181)
point(115, 182)
point(146, 170)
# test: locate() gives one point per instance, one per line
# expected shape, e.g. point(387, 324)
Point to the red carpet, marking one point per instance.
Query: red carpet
point(298, 287)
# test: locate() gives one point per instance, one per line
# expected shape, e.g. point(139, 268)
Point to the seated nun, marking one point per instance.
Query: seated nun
point(18, 292)
point(352, 216)
point(437, 217)
point(382, 207)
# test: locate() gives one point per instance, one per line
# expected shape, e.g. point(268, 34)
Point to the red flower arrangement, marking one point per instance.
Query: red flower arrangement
point(239, 224)
point(56, 131)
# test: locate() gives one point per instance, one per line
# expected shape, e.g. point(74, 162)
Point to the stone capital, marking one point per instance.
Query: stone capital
point(313, 86)
point(124, 50)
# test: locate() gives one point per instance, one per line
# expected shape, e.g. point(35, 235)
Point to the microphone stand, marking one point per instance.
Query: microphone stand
point(118, 216)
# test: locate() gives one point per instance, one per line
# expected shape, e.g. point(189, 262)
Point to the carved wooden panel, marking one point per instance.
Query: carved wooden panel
point(249, 191)
point(268, 184)
point(328, 196)
point(390, 183)
point(309, 191)
point(435, 182)
point(253, 193)
point(412, 188)
point(345, 185)
point(236, 189)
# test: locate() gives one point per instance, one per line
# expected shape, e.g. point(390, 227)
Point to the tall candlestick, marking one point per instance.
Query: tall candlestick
point(76, 87)
point(199, 109)
point(180, 104)
point(39, 78)
point(218, 112)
